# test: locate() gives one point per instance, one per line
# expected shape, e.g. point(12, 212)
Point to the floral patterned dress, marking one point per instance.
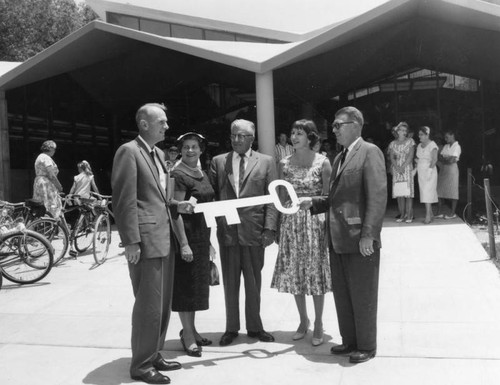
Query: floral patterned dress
point(43, 188)
point(402, 152)
point(302, 265)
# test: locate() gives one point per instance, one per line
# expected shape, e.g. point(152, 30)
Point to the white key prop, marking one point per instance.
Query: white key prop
point(228, 208)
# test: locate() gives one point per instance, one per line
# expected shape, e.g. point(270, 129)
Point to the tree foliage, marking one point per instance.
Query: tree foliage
point(27, 27)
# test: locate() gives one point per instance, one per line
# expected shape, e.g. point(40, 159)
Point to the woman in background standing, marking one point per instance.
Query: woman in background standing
point(447, 186)
point(427, 152)
point(46, 187)
point(401, 152)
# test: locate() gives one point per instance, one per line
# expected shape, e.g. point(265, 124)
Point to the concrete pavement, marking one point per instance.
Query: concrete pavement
point(439, 317)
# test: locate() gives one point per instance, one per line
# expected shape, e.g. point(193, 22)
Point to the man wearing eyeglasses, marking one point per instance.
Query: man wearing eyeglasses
point(355, 210)
point(243, 173)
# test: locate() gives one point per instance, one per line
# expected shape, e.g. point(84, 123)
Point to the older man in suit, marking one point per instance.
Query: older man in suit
point(141, 207)
point(244, 173)
point(355, 210)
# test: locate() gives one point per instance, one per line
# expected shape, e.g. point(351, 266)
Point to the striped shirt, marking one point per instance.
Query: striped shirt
point(280, 152)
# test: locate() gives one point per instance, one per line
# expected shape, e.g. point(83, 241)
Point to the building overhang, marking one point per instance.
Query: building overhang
point(100, 42)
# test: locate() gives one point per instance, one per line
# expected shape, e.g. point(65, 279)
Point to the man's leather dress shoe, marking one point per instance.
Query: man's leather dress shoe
point(261, 336)
point(362, 356)
point(165, 365)
point(227, 338)
point(152, 377)
point(342, 349)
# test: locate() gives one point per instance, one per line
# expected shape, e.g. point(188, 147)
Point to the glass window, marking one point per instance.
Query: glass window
point(217, 35)
point(123, 20)
point(251, 39)
point(156, 27)
point(187, 32)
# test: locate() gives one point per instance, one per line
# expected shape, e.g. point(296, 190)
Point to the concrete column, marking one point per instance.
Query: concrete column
point(4, 150)
point(265, 112)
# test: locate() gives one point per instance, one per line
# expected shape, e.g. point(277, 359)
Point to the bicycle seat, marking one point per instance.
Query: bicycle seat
point(36, 207)
point(33, 203)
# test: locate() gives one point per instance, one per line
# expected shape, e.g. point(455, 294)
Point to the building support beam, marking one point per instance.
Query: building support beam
point(265, 112)
point(4, 150)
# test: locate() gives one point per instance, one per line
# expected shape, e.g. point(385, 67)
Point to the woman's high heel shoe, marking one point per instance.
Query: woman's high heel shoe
point(299, 335)
point(316, 341)
point(196, 352)
point(202, 342)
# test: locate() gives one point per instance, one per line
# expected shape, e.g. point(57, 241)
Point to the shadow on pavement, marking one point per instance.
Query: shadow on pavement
point(113, 373)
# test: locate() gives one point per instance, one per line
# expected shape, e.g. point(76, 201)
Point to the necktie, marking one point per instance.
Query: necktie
point(342, 157)
point(152, 153)
point(242, 172)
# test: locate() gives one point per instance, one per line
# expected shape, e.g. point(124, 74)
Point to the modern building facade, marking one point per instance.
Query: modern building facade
point(431, 62)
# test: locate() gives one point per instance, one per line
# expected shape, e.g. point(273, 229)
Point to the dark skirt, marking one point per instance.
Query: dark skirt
point(191, 279)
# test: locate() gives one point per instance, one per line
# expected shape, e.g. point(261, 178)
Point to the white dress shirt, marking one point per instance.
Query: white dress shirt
point(159, 167)
point(236, 169)
point(351, 146)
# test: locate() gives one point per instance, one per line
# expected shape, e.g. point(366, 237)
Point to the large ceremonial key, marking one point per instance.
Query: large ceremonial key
point(228, 208)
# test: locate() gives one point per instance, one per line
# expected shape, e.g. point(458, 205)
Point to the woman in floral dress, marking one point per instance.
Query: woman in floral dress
point(46, 187)
point(302, 266)
point(401, 152)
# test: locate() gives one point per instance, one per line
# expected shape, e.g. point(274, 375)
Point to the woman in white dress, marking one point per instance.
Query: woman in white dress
point(447, 187)
point(427, 154)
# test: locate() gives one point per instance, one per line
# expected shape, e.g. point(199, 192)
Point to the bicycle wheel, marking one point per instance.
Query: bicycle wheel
point(83, 233)
point(25, 257)
point(102, 238)
point(56, 234)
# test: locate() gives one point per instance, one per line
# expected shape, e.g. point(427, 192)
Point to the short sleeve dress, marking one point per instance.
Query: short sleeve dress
point(191, 279)
point(427, 177)
point(302, 264)
point(43, 188)
point(447, 186)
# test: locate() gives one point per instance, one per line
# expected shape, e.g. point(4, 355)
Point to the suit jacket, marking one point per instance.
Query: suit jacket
point(140, 204)
point(357, 199)
point(260, 171)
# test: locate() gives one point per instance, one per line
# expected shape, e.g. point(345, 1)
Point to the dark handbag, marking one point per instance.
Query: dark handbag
point(214, 274)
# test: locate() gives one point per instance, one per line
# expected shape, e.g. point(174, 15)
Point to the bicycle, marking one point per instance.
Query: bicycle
point(25, 256)
point(92, 226)
point(35, 217)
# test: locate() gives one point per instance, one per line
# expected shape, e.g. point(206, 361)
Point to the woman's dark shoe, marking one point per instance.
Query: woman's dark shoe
point(196, 352)
point(204, 342)
point(199, 342)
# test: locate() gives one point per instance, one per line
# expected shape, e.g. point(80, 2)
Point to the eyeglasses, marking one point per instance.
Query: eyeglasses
point(240, 136)
point(337, 125)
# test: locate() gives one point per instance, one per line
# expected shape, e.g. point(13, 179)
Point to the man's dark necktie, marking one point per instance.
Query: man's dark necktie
point(242, 172)
point(152, 153)
point(342, 157)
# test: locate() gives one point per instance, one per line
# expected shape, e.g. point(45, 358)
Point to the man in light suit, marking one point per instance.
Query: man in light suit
point(141, 207)
point(355, 210)
point(244, 173)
